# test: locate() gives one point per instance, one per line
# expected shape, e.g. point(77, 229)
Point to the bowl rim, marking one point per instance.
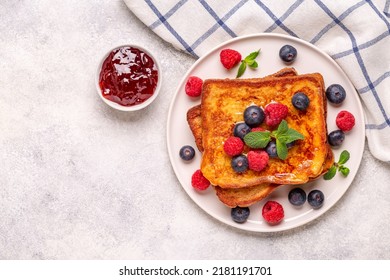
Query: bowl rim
point(118, 106)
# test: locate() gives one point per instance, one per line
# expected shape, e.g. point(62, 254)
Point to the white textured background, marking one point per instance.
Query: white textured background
point(79, 180)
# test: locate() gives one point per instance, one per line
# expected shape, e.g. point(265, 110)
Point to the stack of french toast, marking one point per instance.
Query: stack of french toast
point(222, 105)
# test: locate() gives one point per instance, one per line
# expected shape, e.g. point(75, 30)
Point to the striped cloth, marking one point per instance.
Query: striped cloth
point(354, 33)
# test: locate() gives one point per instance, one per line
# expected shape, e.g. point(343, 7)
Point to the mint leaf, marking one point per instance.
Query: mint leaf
point(282, 128)
point(248, 61)
point(344, 170)
point(286, 134)
point(281, 149)
point(252, 56)
point(331, 173)
point(293, 135)
point(253, 64)
point(257, 139)
point(344, 157)
point(241, 69)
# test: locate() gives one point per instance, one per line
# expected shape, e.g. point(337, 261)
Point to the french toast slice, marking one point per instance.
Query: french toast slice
point(246, 196)
point(223, 103)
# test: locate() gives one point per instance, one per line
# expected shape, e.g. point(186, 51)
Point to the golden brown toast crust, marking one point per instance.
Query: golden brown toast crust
point(244, 197)
point(220, 111)
point(195, 122)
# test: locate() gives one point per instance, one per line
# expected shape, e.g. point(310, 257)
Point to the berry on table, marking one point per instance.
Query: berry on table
point(187, 153)
point(239, 163)
point(253, 116)
point(288, 53)
point(233, 146)
point(240, 214)
point(297, 196)
point(336, 138)
point(229, 58)
point(300, 101)
point(316, 198)
point(198, 181)
point(345, 120)
point(193, 86)
point(335, 93)
point(272, 212)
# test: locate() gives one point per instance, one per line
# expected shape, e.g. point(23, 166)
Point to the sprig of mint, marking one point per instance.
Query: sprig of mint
point(339, 166)
point(248, 61)
point(283, 135)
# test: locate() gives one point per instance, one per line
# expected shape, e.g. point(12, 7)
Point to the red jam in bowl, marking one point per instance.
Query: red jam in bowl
point(128, 76)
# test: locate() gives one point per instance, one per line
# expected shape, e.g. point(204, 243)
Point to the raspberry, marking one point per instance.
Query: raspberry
point(275, 113)
point(193, 86)
point(198, 181)
point(345, 120)
point(273, 212)
point(257, 129)
point(229, 58)
point(233, 146)
point(257, 160)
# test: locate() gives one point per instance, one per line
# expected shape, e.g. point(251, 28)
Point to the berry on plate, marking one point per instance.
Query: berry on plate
point(253, 116)
point(275, 113)
point(257, 160)
point(229, 58)
point(297, 196)
point(240, 214)
point(335, 94)
point(239, 163)
point(273, 212)
point(288, 53)
point(336, 138)
point(300, 101)
point(345, 120)
point(315, 198)
point(193, 86)
point(233, 146)
point(198, 181)
point(271, 149)
point(187, 153)
point(257, 129)
point(241, 129)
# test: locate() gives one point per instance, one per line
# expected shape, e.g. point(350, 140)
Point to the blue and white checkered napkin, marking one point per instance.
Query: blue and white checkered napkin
point(360, 32)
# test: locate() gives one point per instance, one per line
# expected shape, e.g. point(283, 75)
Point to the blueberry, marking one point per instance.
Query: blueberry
point(241, 129)
point(315, 198)
point(254, 116)
point(271, 149)
point(297, 197)
point(336, 138)
point(300, 101)
point(240, 214)
point(288, 53)
point(187, 152)
point(239, 163)
point(335, 93)
point(291, 144)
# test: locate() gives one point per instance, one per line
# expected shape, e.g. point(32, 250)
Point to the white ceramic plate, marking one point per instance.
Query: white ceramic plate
point(310, 59)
